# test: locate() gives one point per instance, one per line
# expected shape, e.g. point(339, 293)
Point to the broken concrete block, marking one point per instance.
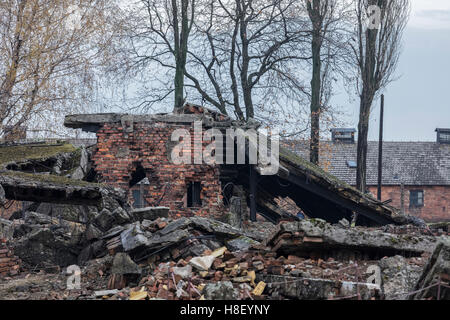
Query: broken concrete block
point(235, 216)
point(113, 232)
point(99, 248)
point(344, 223)
point(85, 255)
point(202, 263)
point(121, 216)
point(150, 213)
point(122, 264)
point(2, 195)
point(44, 247)
point(74, 213)
point(319, 289)
point(434, 281)
point(183, 272)
point(398, 277)
point(197, 249)
point(299, 237)
point(220, 229)
point(104, 220)
point(83, 168)
point(103, 293)
point(133, 237)
point(159, 239)
point(219, 252)
point(222, 290)
point(92, 233)
point(241, 243)
point(6, 229)
point(182, 223)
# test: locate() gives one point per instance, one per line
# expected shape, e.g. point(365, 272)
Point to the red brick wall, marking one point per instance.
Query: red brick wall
point(11, 207)
point(149, 144)
point(9, 264)
point(436, 201)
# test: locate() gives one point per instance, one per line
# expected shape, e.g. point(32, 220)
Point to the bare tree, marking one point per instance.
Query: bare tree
point(327, 18)
point(243, 55)
point(181, 36)
point(251, 45)
point(155, 34)
point(376, 49)
point(48, 56)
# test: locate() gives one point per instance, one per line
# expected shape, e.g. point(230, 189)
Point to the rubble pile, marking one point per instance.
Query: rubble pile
point(252, 274)
point(69, 222)
point(146, 254)
point(9, 264)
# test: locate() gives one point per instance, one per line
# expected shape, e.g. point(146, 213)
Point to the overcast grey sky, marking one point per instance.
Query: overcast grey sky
point(418, 102)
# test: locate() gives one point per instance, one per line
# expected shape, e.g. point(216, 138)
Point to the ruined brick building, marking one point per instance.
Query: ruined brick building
point(133, 152)
point(416, 175)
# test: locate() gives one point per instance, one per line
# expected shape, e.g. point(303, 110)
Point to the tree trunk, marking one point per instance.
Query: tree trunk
point(363, 131)
point(245, 85)
point(179, 86)
point(315, 99)
point(181, 39)
point(316, 44)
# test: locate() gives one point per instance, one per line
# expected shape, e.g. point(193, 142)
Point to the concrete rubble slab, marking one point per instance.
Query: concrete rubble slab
point(320, 289)
point(434, 281)
point(54, 189)
point(316, 235)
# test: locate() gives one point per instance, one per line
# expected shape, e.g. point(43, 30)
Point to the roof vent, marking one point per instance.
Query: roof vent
point(351, 164)
point(443, 135)
point(344, 135)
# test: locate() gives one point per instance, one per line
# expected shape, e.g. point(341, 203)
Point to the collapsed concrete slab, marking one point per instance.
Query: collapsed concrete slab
point(398, 277)
point(150, 213)
point(38, 157)
point(317, 236)
point(45, 241)
point(6, 229)
point(55, 189)
point(140, 242)
point(319, 289)
point(434, 283)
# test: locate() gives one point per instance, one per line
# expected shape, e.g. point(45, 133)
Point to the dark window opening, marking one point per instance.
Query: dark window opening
point(416, 198)
point(139, 193)
point(193, 194)
point(138, 175)
point(138, 199)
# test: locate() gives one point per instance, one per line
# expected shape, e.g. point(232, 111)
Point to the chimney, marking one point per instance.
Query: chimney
point(343, 135)
point(443, 136)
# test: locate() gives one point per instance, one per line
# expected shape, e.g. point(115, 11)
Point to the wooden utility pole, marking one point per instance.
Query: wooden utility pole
point(402, 197)
point(380, 149)
point(252, 193)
